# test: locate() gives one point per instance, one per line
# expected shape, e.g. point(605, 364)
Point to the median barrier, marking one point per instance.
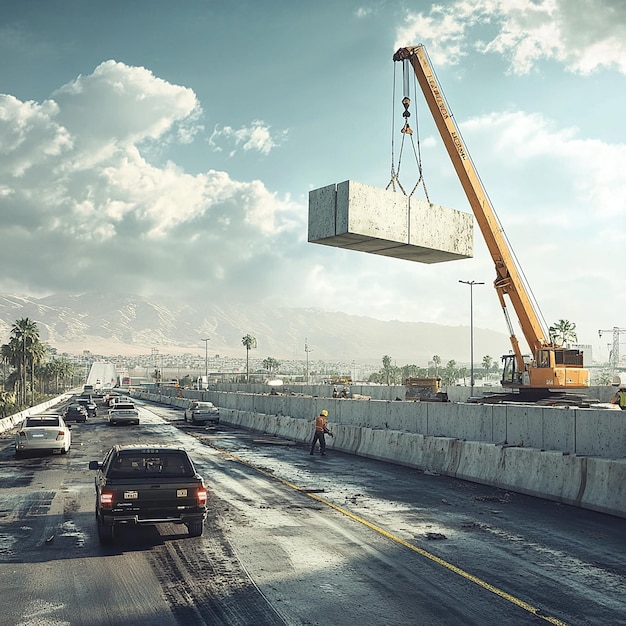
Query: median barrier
point(559, 475)
point(597, 484)
point(12, 421)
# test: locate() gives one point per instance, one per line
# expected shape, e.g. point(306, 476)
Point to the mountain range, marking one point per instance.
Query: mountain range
point(111, 324)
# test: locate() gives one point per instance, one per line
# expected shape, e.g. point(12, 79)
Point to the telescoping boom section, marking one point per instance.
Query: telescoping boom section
point(549, 366)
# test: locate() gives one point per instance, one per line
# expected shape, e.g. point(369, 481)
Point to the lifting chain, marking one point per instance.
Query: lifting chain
point(406, 131)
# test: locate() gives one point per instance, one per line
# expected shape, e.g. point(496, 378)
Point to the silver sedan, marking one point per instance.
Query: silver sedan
point(43, 433)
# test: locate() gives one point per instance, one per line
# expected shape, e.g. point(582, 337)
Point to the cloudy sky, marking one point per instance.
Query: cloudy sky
point(160, 147)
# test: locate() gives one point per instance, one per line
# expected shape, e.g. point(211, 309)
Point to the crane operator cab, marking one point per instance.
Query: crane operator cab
point(555, 368)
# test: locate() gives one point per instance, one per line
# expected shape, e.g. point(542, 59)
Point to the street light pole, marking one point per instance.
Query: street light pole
point(471, 284)
point(206, 359)
point(306, 349)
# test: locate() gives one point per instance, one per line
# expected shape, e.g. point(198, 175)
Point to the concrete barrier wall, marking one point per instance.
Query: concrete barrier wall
point(593, 432)
point(456, 393)
point(577, 479)
point(8, 423)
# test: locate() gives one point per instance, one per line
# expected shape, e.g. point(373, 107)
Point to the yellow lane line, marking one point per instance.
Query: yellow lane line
point(453, 568)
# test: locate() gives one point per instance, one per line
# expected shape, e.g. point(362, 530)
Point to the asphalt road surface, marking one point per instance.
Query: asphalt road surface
point(299, 540)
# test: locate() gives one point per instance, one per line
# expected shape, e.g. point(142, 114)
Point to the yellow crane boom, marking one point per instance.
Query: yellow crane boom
point(551, 366)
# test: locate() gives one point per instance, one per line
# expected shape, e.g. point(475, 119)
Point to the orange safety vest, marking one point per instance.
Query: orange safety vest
point(320, 424)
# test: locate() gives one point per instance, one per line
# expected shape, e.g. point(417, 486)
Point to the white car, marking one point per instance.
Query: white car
point(202, 412)
point(43, 433)
point(117, 399)
point(123, 413)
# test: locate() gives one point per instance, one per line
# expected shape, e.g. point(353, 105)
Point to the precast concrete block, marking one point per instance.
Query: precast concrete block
point(472, 422)
point(360, 217)
point(524, 425)
point(479, 462)
point(373, 443)
point(261, 404)
point(420, 409)
point(413, 449)
point(348, 437)
point(601, 433)
point(559, 429)
point(243, 401)
point(546, 474)
point(366, 413)
point(402, 416)
point(438, 453)
point(299, 406)
point(371, 413)
point(438, 416)
point(605, 487)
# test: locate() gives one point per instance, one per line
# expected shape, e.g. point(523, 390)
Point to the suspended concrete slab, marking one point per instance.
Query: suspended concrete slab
point(355, 216)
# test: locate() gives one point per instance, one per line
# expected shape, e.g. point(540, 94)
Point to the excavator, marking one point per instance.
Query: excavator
point(551, 370)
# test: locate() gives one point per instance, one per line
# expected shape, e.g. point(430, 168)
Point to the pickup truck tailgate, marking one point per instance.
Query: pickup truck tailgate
point(142, 485)
point(158, 500)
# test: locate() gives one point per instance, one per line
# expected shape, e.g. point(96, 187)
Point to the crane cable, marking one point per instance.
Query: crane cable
point(406, 131)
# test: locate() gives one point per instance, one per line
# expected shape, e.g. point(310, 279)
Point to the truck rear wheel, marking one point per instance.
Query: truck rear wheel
point(105, 533)
point(195, 529)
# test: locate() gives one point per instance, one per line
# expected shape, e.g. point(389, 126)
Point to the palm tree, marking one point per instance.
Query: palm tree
point(11, 355)
point(249, 342)
point(387, 367)
point(27, 333)
point(450, 373)
point(36, 354)
point(487, 364)
point(270, 364)
point(61, 370)
point(53, 372)
point(437, 362)
point(563, 330)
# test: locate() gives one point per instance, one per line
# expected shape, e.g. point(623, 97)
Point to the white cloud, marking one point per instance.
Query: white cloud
point(532, 142)
point(583, 35)
point(256, 137)
point(79, 199)
point(363, 12)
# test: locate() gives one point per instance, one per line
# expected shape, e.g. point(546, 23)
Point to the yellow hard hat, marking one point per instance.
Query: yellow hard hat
point(324, 413)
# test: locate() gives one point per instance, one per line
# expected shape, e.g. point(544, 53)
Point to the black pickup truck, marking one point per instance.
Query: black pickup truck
point(143, 484)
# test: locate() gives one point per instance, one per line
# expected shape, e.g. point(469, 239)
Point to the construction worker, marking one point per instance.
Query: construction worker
point(620, 398)
point(321, 429)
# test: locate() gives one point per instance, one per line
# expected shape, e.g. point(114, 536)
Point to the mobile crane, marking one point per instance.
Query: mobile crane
point(550, 366)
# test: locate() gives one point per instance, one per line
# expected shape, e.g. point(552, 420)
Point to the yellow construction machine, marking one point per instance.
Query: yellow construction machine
point(549, 367)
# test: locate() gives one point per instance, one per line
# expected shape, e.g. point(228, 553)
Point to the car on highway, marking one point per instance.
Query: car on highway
point(115, 399)
point(89, 405)
point(76, 413)
point(202, 412)
point(107, 397)
point(43, 433)
point(123, 413)
point(148, 484)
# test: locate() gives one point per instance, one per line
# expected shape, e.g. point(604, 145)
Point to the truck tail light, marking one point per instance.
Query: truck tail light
point(106, 499)
point(202, 497)
point(61, 435)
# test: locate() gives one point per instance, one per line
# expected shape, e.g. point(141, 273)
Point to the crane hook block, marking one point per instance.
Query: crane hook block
point(406, 130)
